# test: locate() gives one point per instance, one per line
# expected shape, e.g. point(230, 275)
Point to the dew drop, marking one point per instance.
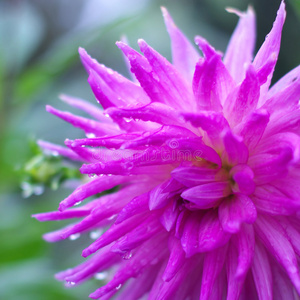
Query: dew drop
point(95, 234)
point(74, 237)
point(100, 275)
point(90, 135)
point(127, 120)
point(119, 286)
point(127, 255)
point(77, 203)
point(93, 175)
point(71, 282)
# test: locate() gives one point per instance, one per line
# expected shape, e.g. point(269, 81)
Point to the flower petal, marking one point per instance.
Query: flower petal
point(261, 272)
point(244, 99)
point(176, 259)
point(60, 150)
point(193, 176)
point(87, 107)
point(91, 188)
point(253, 127)
point(235, 211)
point(235, 150)
point(212, 82)
point(173, 87)
point(183, 52)
point(207, 195)
point(211, 233)
point(240, 49)
point(88, 125)
point(211, 122)
point(212, 266)
point(119, 88)
point(271, 45)
point(274, 238)
point(242, 176)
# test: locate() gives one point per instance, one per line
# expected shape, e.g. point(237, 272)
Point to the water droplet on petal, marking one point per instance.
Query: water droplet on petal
point(127, 120)
point(90, 135)
point(127, 255)
point(70, 282)
point(77, 203)
point(100, 275)
point(74, 237)
point(95, 234)
point(112, 217)
point(93, 175)
point(119, 286)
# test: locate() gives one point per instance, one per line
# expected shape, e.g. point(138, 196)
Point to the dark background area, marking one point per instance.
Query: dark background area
point(38, 61)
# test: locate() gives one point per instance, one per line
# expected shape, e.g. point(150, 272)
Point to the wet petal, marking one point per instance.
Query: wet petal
point(240, 49)
point(184, 54)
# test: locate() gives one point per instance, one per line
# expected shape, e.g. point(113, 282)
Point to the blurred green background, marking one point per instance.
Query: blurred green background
point(38, 61)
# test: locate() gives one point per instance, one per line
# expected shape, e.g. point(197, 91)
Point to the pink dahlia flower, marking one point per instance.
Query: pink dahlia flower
point(204, 162)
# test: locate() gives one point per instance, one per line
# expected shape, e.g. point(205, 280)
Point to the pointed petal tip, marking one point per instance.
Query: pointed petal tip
point(49, 108)
point(86, 252)
point(142, 44)
point(82, 51)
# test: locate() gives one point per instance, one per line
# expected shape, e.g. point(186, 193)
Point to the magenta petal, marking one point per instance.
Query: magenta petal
point(234, 211)
point(99, 262)
point(192, 176)
point(189, 239)
point(211, 84)
point(244, 99)
point(235, 285)
point(268, 167)
point(241, 46)
point(138, 235)
point(139, 286)
point(211, 122)
point(235, 150)
point(253, 127)
point(271, 45)
point(277, 204)
point(88, 125)
point(242, 176)
point(67, 214)
point(113, 83)
point(283, 288)
point(183, 52)
point(161, 195)
point(60, 150)
point(287, 98)
point(284, 82)
point(153, 250)
point(275, 240)
point(93, 187)
point(176, 259)
point(261, 272)
point(89, 108)
point(211, 233)
point(169, 216)
point(212, 266)
point(245, 243)
point(207, 195)
point(154, 112)
point(169, 81)
point(113, 234)
point(137, 205)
